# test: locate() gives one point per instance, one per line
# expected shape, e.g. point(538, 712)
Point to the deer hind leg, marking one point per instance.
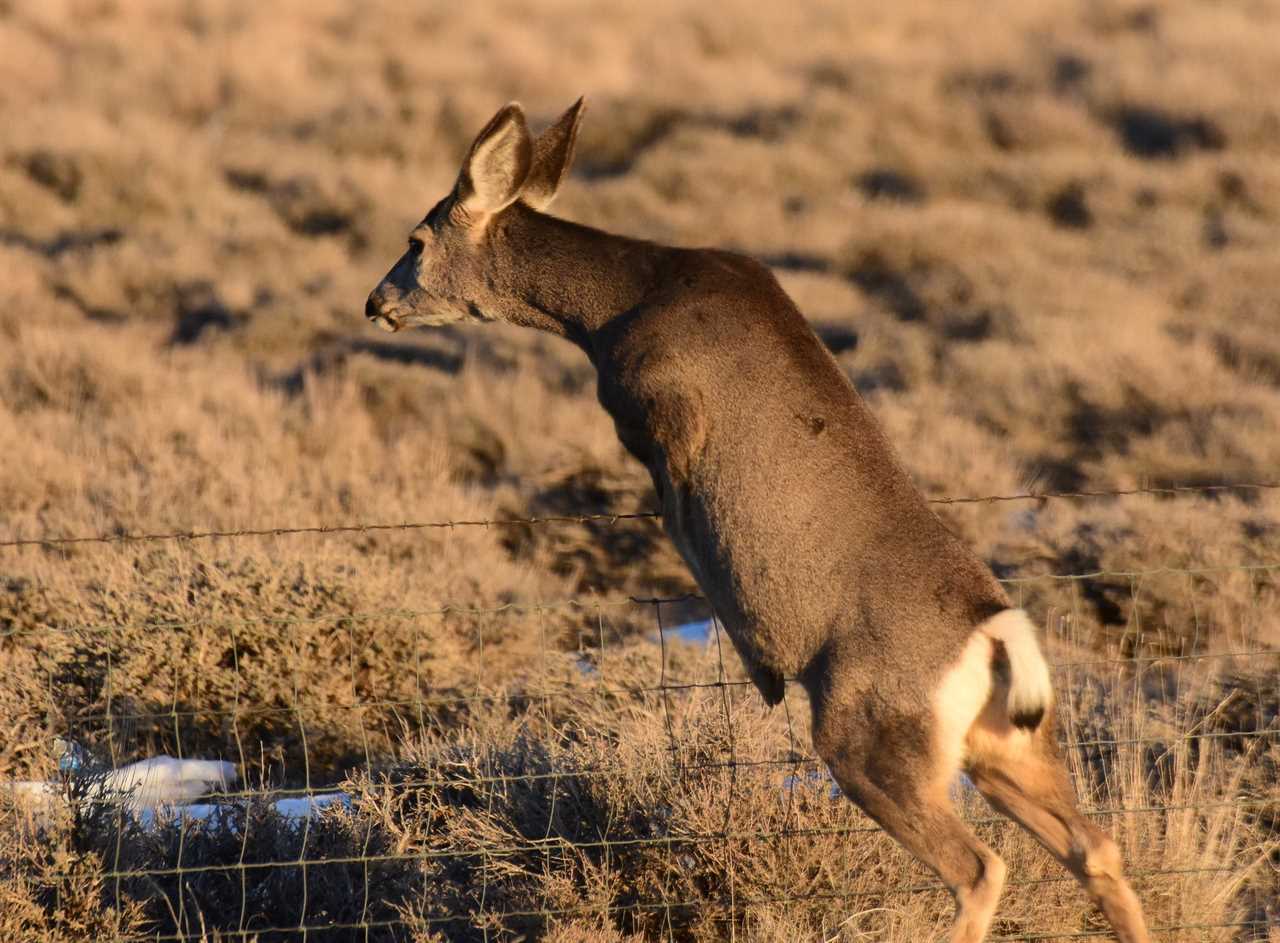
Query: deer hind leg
point(1022, 775)
point(901, 784)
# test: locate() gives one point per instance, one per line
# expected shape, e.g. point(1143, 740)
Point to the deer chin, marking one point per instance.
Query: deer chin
point(394, 321)
point(425, 319)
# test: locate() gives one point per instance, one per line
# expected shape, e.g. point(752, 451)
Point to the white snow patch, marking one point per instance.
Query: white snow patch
point(163, 789)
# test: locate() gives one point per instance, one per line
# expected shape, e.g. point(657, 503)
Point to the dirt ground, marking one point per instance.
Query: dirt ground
point(1041, 239)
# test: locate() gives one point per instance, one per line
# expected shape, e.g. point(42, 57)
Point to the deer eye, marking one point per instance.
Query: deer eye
point(416, 245)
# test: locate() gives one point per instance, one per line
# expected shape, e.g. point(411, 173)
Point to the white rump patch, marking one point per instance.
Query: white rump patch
point(959, 699)
point(965, 692)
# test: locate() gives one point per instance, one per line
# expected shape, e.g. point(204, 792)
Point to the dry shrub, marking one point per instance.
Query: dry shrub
point(619, 810)
point(52, 875)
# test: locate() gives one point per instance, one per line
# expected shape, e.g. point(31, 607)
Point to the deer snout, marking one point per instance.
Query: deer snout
point(375, 312)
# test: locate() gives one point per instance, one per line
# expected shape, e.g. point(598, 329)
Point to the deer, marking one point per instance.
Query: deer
point(783, 495)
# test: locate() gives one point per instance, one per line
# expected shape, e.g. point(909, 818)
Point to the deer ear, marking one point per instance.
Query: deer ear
point(496, 166)
point(552, 155)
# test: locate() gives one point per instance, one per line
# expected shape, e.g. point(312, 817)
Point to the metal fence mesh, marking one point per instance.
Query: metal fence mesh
point(634, 784)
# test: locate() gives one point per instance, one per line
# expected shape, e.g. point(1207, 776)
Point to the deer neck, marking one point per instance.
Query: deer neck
point(568, 279)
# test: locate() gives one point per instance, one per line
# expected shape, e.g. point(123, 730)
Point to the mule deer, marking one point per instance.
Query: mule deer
point(785, 499)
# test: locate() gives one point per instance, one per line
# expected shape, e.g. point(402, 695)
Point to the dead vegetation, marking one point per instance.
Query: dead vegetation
point(615, 810)
point(1040, 238)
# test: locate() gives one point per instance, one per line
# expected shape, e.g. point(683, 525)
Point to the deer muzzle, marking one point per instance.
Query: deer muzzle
point(374, 311)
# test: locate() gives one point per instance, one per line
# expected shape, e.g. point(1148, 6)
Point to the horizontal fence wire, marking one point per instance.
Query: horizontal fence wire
point(681, 839)
point(236, 800)
point(670, 841)
point(367, 926)
point(523, 695)
point(600, 604)
point(1146, 877)
point(1160, 738)
point(610, 518)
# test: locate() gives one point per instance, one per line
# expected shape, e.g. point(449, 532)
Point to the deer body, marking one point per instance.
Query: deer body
point(785, 499)
point(777, 485)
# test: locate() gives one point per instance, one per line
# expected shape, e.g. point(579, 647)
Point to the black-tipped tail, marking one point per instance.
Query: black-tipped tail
point(1030, 687)
point(1028, 720)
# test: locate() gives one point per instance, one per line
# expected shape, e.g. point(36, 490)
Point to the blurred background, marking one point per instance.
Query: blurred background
point(1040, 237)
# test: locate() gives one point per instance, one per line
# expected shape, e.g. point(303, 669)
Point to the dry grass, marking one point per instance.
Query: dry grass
point(1040, 237)
point(602, 814)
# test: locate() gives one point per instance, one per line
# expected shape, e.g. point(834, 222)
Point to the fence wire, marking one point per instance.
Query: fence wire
point(610, 518)
point(632, 785)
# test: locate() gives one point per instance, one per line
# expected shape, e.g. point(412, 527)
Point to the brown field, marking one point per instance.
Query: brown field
point(1043, 239)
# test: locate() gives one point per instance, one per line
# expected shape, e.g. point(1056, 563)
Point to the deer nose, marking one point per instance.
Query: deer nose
point(373, 311)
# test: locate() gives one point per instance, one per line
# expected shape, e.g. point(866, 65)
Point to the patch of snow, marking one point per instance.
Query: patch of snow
point(161, 790)
point(303, 807)
point(296, 810)
point(698, 632)
point(32, 791)
point(165, 780)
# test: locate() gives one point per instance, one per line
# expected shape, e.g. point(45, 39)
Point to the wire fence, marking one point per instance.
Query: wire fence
point(631, 783)
point(365, 528)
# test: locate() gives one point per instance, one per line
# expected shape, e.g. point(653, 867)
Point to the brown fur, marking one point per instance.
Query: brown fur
point(781, 492)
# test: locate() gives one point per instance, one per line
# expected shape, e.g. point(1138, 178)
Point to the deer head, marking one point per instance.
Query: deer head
point(448, 273)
